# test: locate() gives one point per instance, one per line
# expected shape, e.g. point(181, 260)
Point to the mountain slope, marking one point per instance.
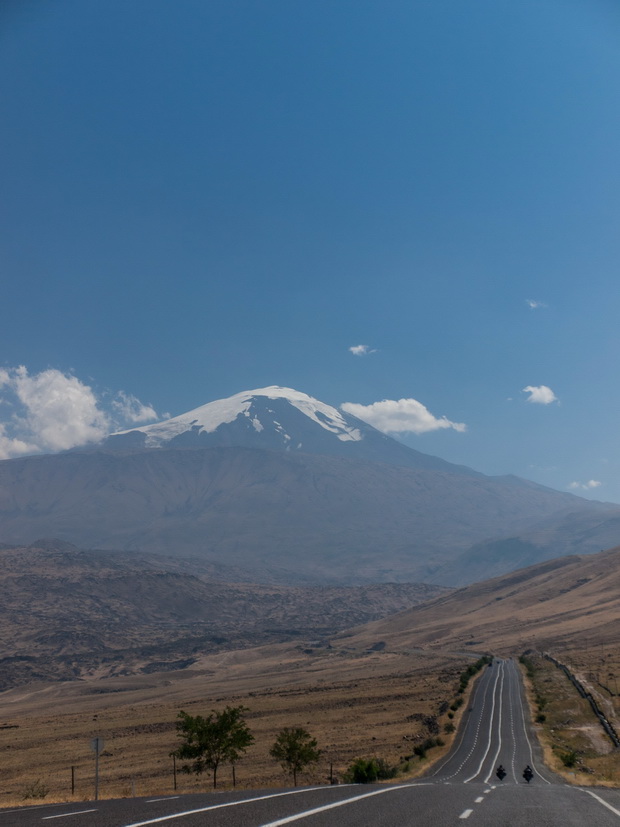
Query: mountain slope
point(278, 515)
point(283, 486)
point(553, 604)
point(570, 532)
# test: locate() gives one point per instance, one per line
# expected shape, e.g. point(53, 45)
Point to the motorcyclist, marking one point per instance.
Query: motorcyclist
point(528, 773)
point(500, 772)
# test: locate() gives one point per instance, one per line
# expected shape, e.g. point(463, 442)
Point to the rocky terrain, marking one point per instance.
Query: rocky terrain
point(68, 613)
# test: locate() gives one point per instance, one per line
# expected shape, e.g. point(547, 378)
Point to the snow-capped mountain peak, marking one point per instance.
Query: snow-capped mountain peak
point(208, 418)
point(276, 419)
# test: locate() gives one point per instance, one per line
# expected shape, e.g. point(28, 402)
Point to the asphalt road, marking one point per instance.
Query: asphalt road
point(463, 787)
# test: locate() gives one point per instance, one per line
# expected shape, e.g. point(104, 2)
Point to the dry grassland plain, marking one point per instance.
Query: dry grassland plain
point(355, 703)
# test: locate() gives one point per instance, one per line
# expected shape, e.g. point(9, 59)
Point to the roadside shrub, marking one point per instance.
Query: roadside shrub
point(421, 749)
point(471, 670)
point(449, 727)
point(569, 759)
point(368, 770)
point(37, 789)
point(361, 771)
point(529, 665)
point(385, 770)
point(541, 718)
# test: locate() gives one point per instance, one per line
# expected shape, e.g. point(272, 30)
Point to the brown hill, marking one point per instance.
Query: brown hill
point(563, 602)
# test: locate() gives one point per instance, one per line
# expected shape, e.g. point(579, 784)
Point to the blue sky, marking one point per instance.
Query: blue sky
point(201, 198)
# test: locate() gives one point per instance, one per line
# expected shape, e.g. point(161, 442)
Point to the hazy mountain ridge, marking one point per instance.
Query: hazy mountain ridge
point(572, 532)
point(327, 519)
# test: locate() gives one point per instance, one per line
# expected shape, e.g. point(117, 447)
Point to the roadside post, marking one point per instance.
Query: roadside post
point(97, 747)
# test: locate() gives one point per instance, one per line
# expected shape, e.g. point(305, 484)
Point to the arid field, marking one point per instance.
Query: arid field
point(377, 690)
point(370, 704)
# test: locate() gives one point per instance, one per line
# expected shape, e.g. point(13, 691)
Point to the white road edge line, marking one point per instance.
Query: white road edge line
point(499, 728)
point(486, 752)
point(601, 801)
point(343, 803)
point(516, 669)
point(466, 814)
point(65, 815)
point(457, 745)
point(228, 804)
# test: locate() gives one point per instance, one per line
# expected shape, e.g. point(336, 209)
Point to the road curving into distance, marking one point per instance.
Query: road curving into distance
point(461, 788)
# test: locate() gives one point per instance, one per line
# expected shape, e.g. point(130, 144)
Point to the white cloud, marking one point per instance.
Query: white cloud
point(540, 394)
point(534, 304)
point(361, 350)
point(131, 409)
point(585, 486)
point(14, 447)
point(60, 411)
point(54, 411)
point(400, 416)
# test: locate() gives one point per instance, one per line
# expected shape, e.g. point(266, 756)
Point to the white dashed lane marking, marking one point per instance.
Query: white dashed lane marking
point(167, 798)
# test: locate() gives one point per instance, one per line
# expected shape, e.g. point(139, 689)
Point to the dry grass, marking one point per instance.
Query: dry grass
point(364, 693)
point(366, 705)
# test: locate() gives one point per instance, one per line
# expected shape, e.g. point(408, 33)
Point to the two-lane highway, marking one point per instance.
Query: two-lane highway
point(461, 788)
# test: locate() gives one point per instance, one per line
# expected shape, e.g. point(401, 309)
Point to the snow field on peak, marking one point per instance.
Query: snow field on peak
point(209, 417)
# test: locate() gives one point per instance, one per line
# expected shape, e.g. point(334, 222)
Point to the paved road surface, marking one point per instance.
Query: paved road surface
point(461, 789)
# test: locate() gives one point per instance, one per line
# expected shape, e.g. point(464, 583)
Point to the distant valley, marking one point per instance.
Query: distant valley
point(69, 614)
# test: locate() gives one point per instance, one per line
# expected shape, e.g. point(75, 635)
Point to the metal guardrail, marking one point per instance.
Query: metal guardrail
point(605, 723)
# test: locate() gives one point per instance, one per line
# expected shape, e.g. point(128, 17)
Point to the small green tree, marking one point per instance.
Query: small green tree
point(221, 737)
point(295, 748)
